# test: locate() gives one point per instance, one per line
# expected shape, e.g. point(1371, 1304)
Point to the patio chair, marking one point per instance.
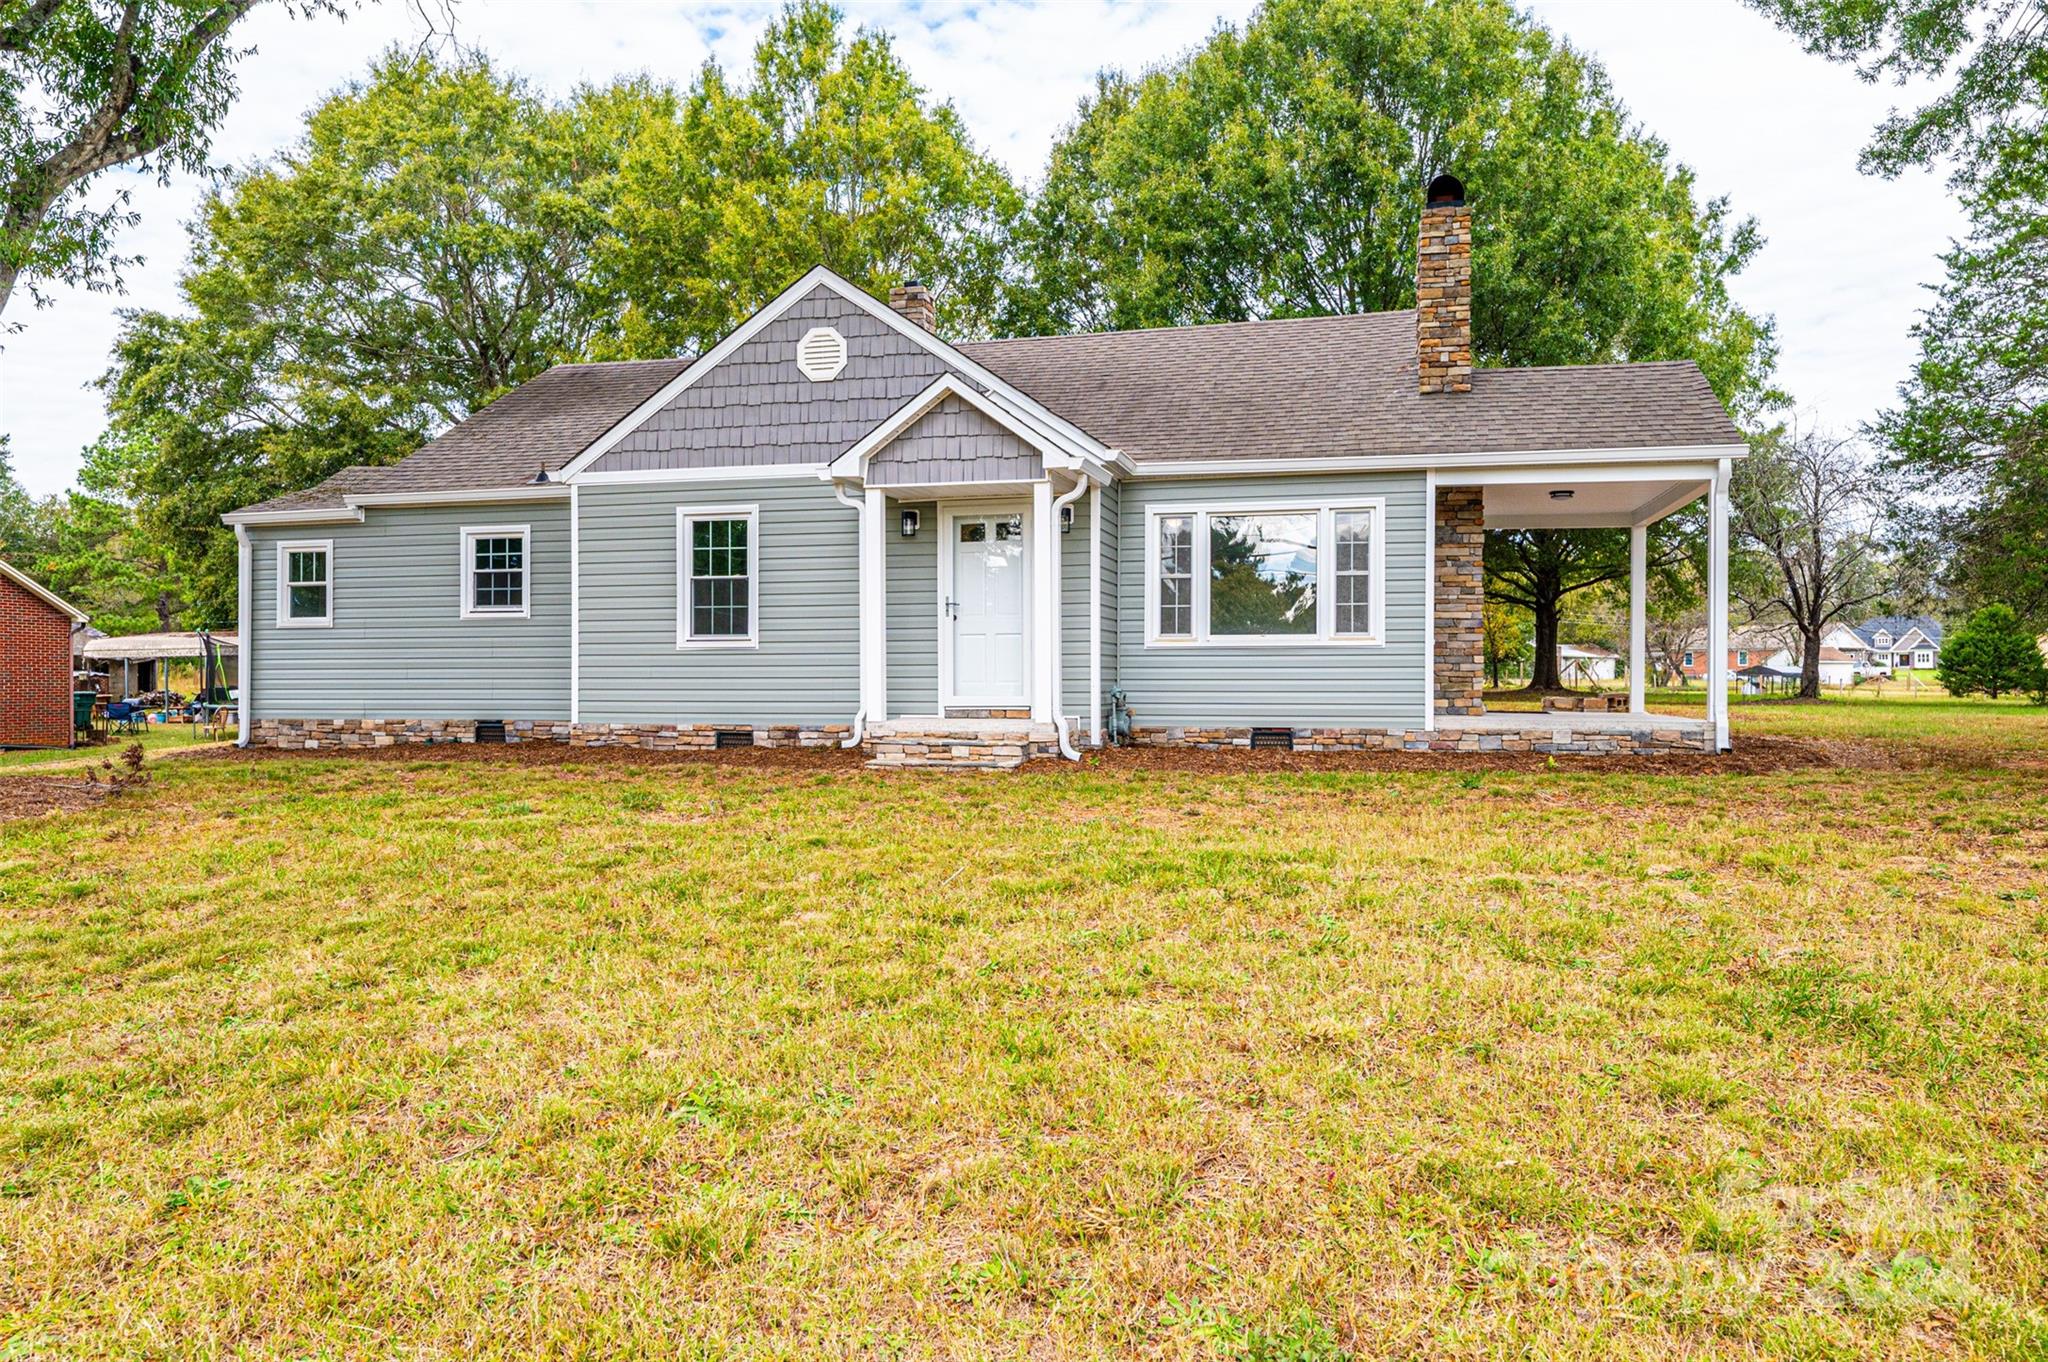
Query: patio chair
point(124, 717)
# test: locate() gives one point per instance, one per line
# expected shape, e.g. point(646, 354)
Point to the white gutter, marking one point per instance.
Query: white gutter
point(1059, 706)
point(860, 715)
point(245, 640)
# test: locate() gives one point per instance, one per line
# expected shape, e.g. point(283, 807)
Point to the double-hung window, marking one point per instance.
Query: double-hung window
point(717, 577)
point(1267, 573)
point(497, 562)
point(305, 587)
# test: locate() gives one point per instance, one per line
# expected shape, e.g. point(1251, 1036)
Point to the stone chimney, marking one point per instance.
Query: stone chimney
point(914, 301)
point(1443, 290)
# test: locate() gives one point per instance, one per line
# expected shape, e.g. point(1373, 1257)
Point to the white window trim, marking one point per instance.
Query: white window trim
point(1326, 569)
point(685, 641)
point(285, 548)
point(472, 533)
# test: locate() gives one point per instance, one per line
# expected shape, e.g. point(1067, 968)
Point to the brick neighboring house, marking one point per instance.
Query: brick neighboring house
point(1746, 648)
point(35, 663)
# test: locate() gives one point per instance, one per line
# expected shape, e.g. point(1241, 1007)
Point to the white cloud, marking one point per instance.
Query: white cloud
point(1774, 129)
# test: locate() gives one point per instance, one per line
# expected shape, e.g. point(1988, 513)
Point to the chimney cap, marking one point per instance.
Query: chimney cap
point(1445, 191)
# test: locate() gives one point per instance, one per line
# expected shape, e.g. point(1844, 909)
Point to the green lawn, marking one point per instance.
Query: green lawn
point(451, 1055)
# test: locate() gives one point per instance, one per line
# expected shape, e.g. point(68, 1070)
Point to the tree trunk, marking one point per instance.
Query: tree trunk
point(1809, 665)
point(1543, 666)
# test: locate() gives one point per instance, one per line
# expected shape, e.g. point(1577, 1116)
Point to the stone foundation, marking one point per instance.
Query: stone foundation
point(704, 737)
point(1542, 739)
point(313, 734)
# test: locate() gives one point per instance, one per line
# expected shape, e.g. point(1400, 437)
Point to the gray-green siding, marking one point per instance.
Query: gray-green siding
point(398, 648)
point(806, 668)
point(912, 587)
point(1297, 686)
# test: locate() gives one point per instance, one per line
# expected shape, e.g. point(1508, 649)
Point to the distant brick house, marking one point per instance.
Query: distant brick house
point(1746, 648)
point(35, 663)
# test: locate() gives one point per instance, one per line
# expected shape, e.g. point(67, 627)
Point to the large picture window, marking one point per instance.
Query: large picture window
point(717, 570)
point(496, 563)
point(1276, 573)
point(305, 590)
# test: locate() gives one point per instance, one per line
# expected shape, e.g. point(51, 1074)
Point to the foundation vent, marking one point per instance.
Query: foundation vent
point(490, 730)
point(1281, 738)
point(733, 737)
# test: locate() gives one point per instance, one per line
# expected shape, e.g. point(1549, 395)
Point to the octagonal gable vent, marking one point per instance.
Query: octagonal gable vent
point(821, 354)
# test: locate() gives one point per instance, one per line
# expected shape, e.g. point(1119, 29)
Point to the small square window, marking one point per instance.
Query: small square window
point(495, 563)
point(305, 590)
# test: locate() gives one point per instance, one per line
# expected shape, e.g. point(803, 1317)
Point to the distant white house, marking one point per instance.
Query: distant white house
point(1583, 662)
point(1889, 643)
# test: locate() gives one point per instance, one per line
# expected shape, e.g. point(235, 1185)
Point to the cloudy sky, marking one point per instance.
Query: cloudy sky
point(1762, 123)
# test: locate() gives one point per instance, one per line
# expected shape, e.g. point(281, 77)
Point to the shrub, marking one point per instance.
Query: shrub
point(1994, 655)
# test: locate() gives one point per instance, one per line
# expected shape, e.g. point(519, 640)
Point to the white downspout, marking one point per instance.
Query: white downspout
point(860, 714)
point(1059, 708)
point(1095, 614)
point(245, 639)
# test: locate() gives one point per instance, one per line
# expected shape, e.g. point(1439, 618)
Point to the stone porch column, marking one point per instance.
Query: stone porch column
point(1460, 588)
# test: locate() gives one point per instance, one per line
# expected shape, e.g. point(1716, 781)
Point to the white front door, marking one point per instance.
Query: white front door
point(986, 602)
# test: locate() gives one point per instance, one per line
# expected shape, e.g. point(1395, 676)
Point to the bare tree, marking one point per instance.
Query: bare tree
point(1804, 502)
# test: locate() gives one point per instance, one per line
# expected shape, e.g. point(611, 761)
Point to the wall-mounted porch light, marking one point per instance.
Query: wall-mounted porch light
point(910, 521)
point(1066, 520)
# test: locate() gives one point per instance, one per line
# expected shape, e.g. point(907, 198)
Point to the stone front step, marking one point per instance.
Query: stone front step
point(959, 744)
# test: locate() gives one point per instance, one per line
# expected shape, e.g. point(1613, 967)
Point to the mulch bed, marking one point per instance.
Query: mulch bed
point(1752, 756)
point(33, 796)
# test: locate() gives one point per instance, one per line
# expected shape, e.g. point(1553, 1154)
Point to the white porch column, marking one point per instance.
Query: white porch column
point(245, 636)
point(1638, 596)
point(1045, 585)
point(874, 607)
point(1717, 606)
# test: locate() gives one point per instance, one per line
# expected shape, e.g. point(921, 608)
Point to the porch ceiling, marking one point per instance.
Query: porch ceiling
point(1590, 505)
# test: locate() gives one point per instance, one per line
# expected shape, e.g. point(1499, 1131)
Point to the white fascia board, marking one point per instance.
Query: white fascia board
point(539, 491)
point(858, 297)
point(322, 515)
point(740, 473)
point(1451, 469)
point(41, 592)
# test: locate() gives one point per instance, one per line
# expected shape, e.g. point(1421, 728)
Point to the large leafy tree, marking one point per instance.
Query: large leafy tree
point(1279, 171)
point(829, 153)
point(424, 248)
point(1972, 422)
point(90, 85)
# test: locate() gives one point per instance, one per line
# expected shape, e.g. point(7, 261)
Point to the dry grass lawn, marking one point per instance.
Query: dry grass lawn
point(438, 1056)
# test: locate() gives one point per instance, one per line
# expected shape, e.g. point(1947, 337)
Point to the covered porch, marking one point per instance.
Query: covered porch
point(981, 584)
point(1617, 493)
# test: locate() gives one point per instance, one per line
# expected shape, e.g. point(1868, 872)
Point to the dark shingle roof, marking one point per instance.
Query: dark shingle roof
point(543, 423)
point(1898, 626)
point(1302, 387)
point(1330, 386)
